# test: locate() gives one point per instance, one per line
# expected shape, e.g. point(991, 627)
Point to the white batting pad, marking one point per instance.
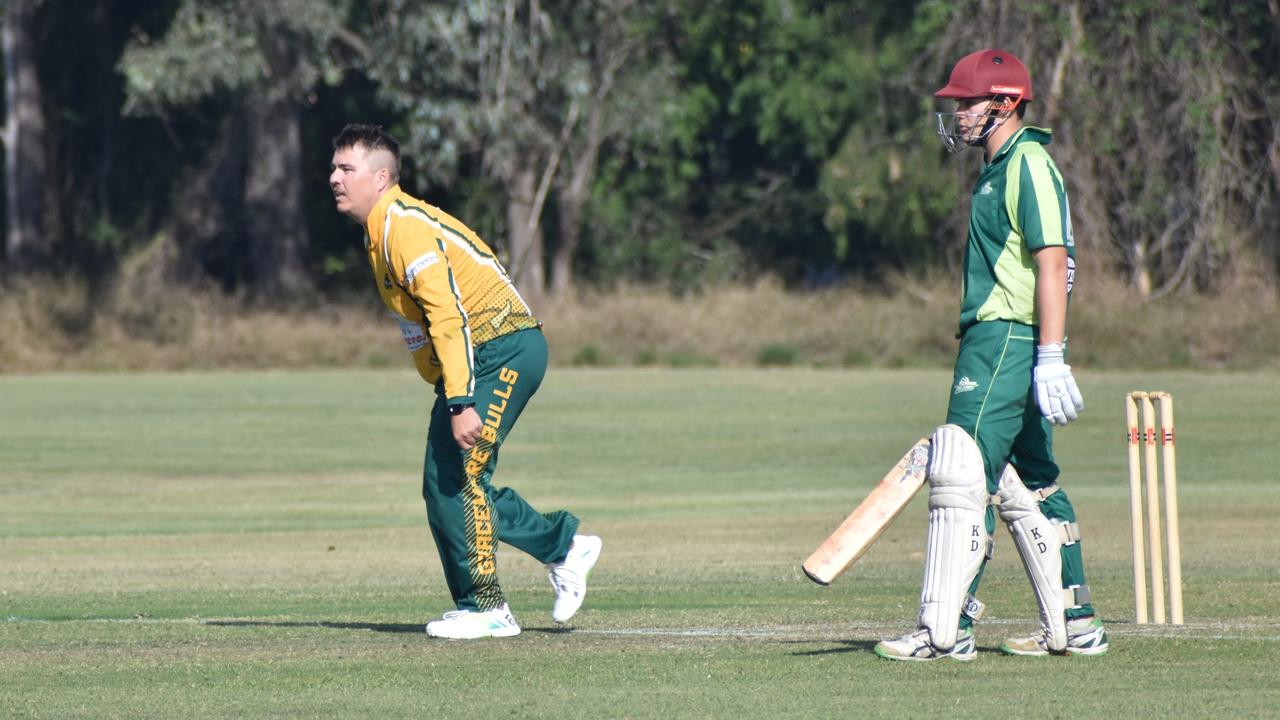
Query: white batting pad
point(1039, 545)
point(954, 459)
point(957, 539)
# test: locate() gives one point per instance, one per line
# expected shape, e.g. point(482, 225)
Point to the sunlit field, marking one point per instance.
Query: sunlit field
point(253, 544)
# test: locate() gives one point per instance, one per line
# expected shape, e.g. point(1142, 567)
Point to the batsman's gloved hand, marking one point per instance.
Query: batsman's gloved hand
point(1056, 392)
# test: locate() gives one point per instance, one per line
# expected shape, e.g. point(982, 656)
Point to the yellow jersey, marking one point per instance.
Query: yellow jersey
point(444, 285)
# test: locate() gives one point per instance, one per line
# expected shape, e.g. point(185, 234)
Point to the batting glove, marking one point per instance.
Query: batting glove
point(1056, 392)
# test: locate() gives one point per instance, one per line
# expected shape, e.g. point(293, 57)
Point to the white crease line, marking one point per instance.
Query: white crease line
point(868, 633)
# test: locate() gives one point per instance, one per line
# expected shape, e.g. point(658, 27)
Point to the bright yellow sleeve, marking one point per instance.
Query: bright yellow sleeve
point(421, 266)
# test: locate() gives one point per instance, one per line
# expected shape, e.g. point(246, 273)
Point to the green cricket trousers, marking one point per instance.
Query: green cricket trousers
point(468, 516)
point(993, 399)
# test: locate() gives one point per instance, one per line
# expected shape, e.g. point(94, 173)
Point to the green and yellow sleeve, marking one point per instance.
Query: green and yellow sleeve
point(1036, 200)
point(417, 258)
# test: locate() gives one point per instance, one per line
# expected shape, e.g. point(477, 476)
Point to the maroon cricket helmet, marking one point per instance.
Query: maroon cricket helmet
point(988, 73)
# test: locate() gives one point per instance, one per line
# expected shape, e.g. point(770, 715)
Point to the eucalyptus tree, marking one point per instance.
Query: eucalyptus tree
point(254, 66)
point(25, 163)
point(1166, 117)
point(526, 91)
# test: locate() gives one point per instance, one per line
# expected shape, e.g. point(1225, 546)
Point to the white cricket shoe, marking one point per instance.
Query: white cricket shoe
point(916, 647)
point(569, 578)
point(474, 624)
point(1085, 636)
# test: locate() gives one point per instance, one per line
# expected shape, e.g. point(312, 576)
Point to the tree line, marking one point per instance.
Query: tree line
point(678, 142)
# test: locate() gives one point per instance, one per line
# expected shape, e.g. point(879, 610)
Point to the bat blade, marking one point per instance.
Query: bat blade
point(868, 521)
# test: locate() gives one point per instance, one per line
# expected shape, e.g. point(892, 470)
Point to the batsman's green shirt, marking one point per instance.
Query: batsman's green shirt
point(1019, 206)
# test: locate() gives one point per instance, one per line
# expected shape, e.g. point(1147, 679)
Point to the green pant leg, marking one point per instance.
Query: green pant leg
point(989, 390)
point(467, 516)
point(992, 379)
point(442, 480)
point(522, 361)
point(1033, 459)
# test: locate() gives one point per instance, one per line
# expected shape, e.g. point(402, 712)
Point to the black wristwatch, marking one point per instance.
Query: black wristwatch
point(458, 408)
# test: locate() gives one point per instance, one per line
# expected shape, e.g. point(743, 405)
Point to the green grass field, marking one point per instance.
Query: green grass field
point(253, 545)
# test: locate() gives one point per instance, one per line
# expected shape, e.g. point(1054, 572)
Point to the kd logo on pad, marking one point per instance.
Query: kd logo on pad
point(964, 385)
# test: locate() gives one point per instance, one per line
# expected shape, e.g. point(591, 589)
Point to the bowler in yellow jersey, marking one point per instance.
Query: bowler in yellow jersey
point(477, 342)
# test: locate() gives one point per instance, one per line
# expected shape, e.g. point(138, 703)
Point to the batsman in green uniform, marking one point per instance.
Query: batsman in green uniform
point(1011, 384)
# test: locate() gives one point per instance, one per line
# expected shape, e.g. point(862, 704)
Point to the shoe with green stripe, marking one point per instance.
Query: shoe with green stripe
point(915, 647)
point(1085, 636)
point(474, 624)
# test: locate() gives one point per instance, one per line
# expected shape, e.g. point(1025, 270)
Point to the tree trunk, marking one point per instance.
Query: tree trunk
point(277, 231)
point(25, 164)
point(1140, 274)
point(573, 200)
point(206, 199)
point(562, 259)
point(525, 235)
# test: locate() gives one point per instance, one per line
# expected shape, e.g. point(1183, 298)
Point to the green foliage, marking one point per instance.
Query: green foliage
point(590, 356)
point(855, 359)
point(888, 196)
point(228, 46)
point(204, 54)
point(777, 354)
point(767, 92)
point(646, 357)
point(740, 137)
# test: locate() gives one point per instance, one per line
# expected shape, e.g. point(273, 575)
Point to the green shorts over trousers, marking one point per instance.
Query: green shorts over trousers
point(468, 516)
point(993, 399)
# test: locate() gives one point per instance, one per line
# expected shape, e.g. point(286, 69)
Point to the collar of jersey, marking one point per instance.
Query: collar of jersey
point(1029, 133)
point(378, 215)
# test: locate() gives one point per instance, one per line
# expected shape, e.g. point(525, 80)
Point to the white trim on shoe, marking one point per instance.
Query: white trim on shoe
point(474, 624)
point(569, 577)
point(916, 647)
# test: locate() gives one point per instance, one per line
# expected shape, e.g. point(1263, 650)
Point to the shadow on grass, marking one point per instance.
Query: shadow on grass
point(375, 627)
point(843, 646)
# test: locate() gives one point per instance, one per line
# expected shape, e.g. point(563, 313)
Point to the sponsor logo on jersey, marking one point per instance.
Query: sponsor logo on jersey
point(415, 335)
point(964, 385)
point(386, 280)
point(422, 263)
point(986, 188)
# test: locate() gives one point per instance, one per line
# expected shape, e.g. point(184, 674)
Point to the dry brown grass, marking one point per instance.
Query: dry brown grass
point(46, 328)
point(907, 321)
point(911, 323)
point(741, 325)
point(1238, 328)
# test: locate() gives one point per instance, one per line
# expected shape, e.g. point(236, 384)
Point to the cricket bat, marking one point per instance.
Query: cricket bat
point(867, 521)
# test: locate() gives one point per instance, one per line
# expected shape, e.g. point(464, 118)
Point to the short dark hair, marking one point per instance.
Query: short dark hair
point(370, 137)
